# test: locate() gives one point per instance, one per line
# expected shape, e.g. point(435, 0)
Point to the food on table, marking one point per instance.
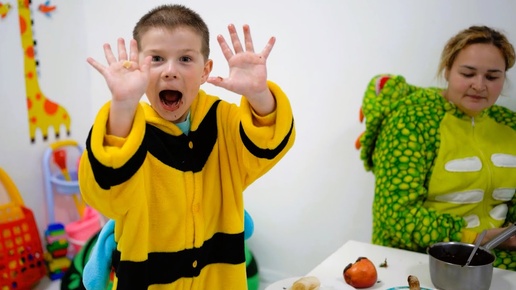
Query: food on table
point(306, 283)
point(361, 274)
point(413, 282)
point(384, 264)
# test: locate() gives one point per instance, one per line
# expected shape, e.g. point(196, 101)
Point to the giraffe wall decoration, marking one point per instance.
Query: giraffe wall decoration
point(43, 113)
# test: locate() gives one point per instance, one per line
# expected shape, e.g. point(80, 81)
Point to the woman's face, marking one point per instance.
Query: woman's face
point(476, 78)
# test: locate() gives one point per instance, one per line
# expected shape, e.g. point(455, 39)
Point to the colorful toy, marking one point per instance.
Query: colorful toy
point(60, 160)
point(60, 177)
point(80, 231)
point(57, 249)
point(21, 254)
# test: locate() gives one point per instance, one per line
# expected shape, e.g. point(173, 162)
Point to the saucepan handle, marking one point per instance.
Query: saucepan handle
point(502, 237)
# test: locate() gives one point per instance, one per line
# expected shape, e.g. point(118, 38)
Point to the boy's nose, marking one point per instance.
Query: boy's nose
point(169, 71)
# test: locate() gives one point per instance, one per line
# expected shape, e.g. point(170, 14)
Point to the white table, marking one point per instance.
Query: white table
point(47, 284)
point(400, 263)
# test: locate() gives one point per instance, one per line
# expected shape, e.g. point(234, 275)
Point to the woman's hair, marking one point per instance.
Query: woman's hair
point(474, 35)
point(171, 17)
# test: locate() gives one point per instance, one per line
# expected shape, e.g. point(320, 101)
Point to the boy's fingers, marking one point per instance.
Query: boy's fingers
point(237, 46)
point(216, 81)
point(133, 50)
point(99, 67)
point(145, 66)
point(226, 51)
point(122, 52)
point(108, 53)
point(248, 39)
point(268, 47)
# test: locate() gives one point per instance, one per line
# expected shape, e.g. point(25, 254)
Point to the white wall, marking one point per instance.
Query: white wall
point(319, 196)
point(63, 77)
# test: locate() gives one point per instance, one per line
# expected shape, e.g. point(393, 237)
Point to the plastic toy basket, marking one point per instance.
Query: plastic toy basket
point(21, 255)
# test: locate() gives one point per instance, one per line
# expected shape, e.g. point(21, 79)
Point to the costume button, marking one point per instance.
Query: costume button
point(194, 264)
point(190, 144)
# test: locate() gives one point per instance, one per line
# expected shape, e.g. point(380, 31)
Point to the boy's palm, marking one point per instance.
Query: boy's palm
point(247, 69)
point(126, 79)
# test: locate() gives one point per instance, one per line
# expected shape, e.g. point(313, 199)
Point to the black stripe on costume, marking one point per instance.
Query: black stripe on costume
point(164, 268)
point(175, 151)
point(264, 153)
point(171, 150)
point(107, 177)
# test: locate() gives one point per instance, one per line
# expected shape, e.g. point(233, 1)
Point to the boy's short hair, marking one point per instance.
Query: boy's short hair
point(170, 17)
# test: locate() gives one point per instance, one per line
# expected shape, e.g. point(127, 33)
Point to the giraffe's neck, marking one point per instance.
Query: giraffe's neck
point(43, 113)
point(28, 43)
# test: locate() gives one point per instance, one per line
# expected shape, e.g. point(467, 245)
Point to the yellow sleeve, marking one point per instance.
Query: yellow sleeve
point(468, 236)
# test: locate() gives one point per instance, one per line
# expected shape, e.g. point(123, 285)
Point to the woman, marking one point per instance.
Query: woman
point(444, 160)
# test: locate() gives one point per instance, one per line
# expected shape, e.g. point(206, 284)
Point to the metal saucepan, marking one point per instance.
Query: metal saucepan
point(447, 260)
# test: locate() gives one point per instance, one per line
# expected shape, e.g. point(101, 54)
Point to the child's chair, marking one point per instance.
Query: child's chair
point(60, 162)
point(60, 167)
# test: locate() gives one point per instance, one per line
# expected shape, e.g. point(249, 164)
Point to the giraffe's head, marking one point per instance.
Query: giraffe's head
point(23, 3)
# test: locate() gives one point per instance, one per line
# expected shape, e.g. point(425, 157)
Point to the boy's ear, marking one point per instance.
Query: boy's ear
point(207, 70)
point(446, 74)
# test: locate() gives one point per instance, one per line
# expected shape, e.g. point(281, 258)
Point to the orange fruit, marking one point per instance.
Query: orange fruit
point(361, 274)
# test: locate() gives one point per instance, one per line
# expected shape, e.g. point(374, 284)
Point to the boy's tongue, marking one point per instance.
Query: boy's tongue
point(170, 99)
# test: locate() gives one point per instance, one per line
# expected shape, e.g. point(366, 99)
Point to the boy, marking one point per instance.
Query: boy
point(171, 174)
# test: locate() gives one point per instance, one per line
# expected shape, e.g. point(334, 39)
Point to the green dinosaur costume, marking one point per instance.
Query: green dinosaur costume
point(439, 174)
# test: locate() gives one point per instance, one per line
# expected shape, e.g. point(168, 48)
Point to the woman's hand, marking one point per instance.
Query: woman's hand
point(247, 70)
point(509, 244)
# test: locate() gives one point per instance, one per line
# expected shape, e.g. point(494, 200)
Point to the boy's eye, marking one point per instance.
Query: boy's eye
point(185, 59)
point(491, 78)
point(468, 75)
point(156, 58)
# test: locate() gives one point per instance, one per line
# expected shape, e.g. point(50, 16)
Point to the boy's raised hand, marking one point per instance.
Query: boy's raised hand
point(125, 77)
point(247, 69)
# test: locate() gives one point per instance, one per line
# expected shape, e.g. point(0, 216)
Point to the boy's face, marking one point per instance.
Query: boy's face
point(177, 70)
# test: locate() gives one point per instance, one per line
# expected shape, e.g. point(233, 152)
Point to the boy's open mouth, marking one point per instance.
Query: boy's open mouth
point(170, 99)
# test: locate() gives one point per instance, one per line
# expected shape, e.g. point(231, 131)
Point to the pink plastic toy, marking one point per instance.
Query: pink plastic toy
point(80, 231)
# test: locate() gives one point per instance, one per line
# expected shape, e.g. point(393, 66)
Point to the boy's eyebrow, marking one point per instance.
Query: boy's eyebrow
point(185, 50)
point(189, 50)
